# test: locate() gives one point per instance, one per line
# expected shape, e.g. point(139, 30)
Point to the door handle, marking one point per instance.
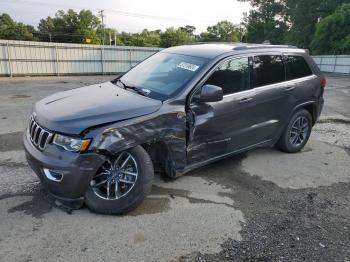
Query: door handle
point(245, 100)
point(290, 88)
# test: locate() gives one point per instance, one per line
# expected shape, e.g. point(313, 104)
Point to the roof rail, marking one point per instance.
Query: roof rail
point(256, 46)
point(244, 46)
point(215, 43)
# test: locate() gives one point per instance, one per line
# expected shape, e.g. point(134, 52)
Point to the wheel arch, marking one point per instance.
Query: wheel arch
point(161, 153)
point(310, 106)
point(162, 157)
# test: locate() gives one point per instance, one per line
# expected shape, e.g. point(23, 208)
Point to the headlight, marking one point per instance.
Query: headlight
point(70, 143)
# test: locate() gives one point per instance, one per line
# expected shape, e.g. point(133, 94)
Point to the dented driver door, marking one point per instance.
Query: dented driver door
point(221, 127)
point(218, 128)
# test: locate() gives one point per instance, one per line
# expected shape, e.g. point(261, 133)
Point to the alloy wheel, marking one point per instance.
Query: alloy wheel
point(116, 177)
point(299, 131)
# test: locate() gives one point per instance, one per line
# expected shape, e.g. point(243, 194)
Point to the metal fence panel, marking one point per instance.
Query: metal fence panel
point(333, 64)
point(40, 58)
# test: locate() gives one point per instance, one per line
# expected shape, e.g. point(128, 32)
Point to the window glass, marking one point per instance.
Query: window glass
point(268, 70)
point(164, 75)
point(232, 76)
point(297, 67)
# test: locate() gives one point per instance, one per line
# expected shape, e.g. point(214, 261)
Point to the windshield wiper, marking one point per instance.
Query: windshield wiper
point(134, 88)
point(119, 81)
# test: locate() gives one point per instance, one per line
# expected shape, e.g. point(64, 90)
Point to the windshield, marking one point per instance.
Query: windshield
point(163, 75)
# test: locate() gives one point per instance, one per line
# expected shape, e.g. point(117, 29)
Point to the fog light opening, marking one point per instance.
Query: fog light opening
point(53, 175)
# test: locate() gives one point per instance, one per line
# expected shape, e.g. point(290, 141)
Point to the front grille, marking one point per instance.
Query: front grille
point(38, 135)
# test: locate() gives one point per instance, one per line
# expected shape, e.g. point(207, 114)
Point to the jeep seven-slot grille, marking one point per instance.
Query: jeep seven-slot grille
point(38, 135)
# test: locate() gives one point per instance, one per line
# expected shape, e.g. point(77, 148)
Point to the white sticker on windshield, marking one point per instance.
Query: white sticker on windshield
point(188, 66)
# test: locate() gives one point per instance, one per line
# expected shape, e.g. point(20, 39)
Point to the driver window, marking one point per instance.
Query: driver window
point(232, 76)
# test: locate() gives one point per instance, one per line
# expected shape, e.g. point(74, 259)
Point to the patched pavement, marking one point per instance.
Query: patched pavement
point(263, 205)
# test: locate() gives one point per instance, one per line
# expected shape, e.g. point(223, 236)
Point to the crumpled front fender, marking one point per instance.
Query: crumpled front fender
point(169, 128)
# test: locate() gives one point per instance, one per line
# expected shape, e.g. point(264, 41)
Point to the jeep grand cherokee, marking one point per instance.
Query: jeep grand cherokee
point(180, 109)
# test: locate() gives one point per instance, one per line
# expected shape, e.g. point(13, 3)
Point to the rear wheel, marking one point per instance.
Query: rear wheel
point(121, 183)
point(297, 132)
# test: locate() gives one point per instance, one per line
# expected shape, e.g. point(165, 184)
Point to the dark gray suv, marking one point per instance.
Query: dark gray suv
point(180, 109)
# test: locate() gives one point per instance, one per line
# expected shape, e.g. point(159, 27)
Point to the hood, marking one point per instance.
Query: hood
point(73, 111)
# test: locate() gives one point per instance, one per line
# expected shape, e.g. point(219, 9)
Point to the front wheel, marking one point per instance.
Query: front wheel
point(297, 132)
point(121, 183)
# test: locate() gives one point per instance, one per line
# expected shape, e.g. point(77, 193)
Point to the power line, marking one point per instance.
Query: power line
point(120, 12)
point(58, 33)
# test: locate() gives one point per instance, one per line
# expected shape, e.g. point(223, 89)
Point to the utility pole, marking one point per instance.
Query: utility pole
point(103, 26)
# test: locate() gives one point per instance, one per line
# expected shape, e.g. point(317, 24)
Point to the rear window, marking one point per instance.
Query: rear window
point(268, 69)
point(297, 67)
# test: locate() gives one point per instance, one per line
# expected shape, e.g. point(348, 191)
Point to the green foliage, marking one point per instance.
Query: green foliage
point(265, 21)
point(260, 29)
point(288, 21)
point(190, 29)
point(322, 25)
point(11, 30)
point(333, 33)
point(174, 37)
point(223, 31)
point(70, 27)
point(303, 17)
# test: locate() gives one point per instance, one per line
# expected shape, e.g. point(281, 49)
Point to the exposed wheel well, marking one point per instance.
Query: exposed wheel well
point(312, 110)
point(160, 155)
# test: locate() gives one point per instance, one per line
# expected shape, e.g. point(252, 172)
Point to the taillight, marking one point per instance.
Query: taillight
point(324, 83)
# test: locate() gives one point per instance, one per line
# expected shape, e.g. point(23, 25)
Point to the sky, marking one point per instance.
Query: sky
point(134, 15)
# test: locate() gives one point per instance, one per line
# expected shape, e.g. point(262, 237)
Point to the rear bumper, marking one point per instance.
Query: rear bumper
point(66, 175)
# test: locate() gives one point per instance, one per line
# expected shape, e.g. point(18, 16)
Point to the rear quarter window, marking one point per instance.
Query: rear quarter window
point(297, 67)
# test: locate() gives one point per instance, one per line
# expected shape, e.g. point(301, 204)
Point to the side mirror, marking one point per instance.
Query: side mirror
point(211, 93)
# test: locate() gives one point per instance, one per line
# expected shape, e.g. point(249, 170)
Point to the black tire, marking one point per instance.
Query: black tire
point(133, 198)
point(285, 143)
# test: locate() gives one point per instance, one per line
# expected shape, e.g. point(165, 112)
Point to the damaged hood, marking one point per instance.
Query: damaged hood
point(73, 111)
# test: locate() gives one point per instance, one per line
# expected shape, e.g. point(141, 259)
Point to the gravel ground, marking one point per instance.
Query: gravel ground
point(263, 205)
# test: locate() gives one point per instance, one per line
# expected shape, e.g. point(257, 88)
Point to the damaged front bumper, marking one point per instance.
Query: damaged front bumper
point(66, 175)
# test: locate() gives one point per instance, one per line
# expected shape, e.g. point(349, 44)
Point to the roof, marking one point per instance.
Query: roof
point(212, 50)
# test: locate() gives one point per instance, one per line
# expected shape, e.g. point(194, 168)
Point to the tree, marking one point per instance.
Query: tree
point(223, 31)
point(145, 38)
point(190, 29)
point(260, 29)
point(304, 15)
point(70, 27)
point(11, 30)
point(287, 21)
point(174, 37)
point(333, 33)
point(265, 22)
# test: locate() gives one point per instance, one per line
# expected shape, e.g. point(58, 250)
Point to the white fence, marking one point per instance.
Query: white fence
point(19, 58)
point(333, 64)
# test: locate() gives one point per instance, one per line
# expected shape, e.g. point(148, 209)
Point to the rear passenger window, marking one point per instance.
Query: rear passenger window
point(232, 76)
point(297, 67)
point(268, 69)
